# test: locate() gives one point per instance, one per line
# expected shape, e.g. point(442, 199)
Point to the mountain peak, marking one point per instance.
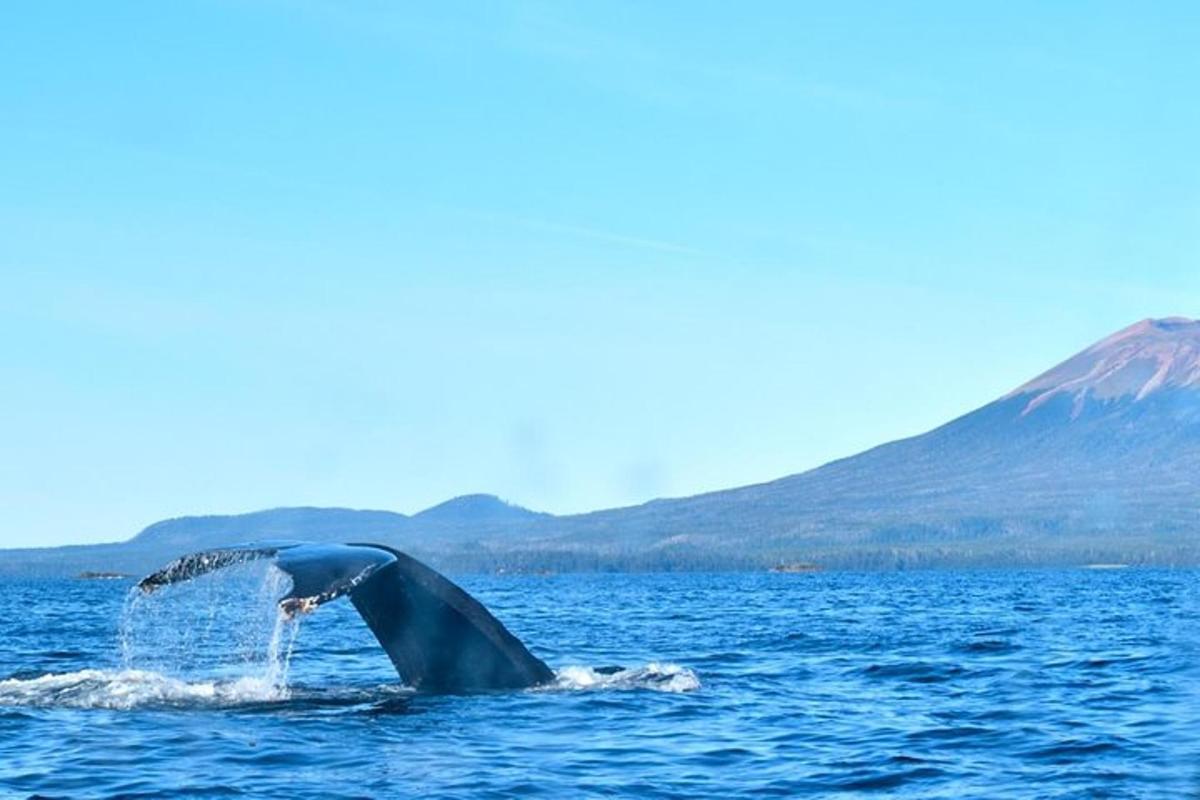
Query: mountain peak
point(1133, 363)
point(475, 508)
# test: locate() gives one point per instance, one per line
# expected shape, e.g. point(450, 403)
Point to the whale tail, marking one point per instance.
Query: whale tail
point(439, 638)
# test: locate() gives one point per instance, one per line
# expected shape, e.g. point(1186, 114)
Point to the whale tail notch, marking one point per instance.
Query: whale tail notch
point(438, 637)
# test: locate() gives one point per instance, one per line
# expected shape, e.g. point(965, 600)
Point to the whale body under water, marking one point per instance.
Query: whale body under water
point(439, 638)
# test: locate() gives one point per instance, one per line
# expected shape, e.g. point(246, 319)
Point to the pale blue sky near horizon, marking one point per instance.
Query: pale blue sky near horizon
point(578, 255)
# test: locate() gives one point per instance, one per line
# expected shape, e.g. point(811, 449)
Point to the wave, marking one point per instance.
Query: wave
point(134, 688)
point(654, 676)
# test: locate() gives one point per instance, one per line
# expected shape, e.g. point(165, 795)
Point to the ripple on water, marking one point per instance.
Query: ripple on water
point(988, 647)
point(1075, 750)
point(915, 672)
point(888, 779)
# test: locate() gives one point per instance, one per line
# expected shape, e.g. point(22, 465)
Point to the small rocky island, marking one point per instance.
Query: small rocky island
point(798, 566)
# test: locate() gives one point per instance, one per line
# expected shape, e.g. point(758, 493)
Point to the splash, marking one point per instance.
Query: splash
point(654, 676)
point(132, 688)
point(202, 639)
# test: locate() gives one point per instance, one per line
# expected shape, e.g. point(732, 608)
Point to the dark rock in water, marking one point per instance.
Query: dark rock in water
point(799, 566)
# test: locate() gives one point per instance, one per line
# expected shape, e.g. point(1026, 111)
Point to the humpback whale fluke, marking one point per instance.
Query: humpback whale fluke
point(439, 638)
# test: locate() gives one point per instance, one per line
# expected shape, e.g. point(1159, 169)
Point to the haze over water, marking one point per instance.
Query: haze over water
point(937, 684)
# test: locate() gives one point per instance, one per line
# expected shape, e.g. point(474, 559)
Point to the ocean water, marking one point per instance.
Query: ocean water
point(1043, 684)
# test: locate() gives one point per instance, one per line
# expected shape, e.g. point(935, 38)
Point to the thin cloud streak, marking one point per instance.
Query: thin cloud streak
point(586, 232)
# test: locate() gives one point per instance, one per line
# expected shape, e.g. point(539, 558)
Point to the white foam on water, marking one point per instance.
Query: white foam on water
point(132, 688)
point(654, 676)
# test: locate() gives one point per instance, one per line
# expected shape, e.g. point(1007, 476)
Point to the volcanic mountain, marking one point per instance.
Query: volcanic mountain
point(1096, 460)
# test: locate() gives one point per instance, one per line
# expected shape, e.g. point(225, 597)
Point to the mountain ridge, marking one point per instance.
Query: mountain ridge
point(1096, 459)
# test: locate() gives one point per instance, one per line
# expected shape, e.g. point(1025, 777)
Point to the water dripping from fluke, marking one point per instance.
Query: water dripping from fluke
point(225, 630)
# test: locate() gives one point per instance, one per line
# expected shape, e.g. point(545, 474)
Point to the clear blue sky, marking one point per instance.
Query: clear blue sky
point(577, 255)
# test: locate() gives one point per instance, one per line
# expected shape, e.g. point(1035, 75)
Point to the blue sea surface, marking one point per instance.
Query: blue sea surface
point(1038, 684)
